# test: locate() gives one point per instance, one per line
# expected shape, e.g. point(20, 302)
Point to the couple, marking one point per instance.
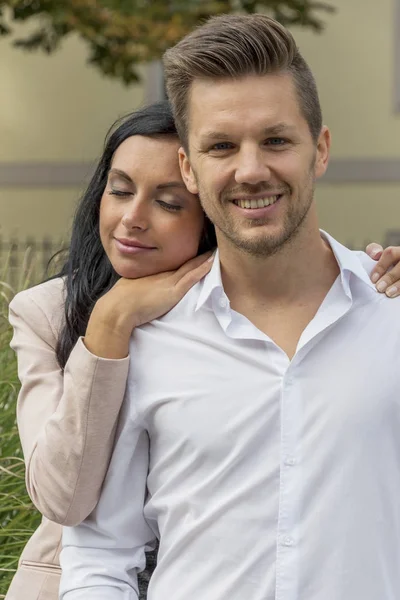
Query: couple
point(258, 439)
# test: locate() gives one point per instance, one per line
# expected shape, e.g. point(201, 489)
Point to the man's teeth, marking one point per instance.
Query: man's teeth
point(260, 203)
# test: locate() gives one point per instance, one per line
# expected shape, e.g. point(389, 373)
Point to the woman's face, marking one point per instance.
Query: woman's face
point(149, 222)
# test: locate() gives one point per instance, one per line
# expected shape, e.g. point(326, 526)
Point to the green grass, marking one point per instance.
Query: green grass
point(18, 516)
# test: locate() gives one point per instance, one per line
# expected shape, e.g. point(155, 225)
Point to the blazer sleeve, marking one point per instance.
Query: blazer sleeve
point(102, 556)
point(66, 419)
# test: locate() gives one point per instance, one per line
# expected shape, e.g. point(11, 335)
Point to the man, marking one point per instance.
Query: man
point(270, 394)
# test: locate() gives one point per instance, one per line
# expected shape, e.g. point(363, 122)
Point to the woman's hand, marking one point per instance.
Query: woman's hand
point(132, 302)
point(386, 274)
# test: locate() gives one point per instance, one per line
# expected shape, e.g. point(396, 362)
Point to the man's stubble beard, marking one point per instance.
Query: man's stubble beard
point(267, 245)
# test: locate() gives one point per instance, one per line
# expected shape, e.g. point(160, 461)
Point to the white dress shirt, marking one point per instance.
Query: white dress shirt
point(263, 478)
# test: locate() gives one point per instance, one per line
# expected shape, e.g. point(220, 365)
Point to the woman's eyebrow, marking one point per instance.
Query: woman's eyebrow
point(162, 186)
point(120, 174)
point(171, 184)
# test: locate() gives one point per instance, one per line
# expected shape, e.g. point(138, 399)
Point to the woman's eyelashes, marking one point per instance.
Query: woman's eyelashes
point(168, 206)
point(119, 193)
point(163, 203)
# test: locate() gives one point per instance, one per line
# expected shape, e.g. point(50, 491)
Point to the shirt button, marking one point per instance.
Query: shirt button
point(288, 541)
point(290, 461)
point(223, 302)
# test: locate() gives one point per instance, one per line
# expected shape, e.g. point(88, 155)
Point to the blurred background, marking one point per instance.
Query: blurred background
point(56, 107)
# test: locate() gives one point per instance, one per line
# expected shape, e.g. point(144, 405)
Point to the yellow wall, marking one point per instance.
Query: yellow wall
point(58, 109)
point(353, 61)
point(358, 214)
point(353, 64)
point(36, 213)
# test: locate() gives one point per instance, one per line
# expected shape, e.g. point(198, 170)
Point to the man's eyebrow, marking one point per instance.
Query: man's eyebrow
point(121, 174)
point(215, 135)
point(171, 184)
point(277, 129)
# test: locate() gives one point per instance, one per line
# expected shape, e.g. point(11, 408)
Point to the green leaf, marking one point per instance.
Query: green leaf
point(122, 34)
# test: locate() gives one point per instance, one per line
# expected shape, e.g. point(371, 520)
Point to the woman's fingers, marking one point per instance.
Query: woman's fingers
point(374, 250)
point(156, 295)
point(192, 264)
point(191, 272)
point(386, 274)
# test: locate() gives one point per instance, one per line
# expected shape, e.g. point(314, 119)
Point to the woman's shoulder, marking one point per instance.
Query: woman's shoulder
point(50, 292)
point(45, 299)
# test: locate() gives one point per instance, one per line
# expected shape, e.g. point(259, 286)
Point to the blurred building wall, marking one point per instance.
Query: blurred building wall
point(354, 64)
point(56, 110)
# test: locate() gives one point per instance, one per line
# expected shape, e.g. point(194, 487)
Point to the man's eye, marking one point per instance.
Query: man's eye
point(276, 141)
point(221, 146)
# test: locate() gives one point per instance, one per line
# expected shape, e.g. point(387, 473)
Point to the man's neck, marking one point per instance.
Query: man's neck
point(302, 264)
point(282, 292)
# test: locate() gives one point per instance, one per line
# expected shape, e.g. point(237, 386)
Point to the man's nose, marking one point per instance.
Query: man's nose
point(252, 166)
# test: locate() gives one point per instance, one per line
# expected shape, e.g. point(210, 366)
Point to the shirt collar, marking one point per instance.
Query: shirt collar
point(348, 261)
point(211, 282)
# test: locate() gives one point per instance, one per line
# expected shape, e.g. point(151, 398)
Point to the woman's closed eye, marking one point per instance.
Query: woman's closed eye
point(169, 206)
point(119, 193)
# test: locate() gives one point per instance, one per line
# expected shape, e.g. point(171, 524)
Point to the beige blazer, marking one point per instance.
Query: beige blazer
point(66, 422)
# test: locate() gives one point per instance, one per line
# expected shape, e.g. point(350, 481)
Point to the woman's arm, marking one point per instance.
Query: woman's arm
point(66, 420)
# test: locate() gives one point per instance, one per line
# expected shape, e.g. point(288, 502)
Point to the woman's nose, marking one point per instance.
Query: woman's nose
point(136, 215)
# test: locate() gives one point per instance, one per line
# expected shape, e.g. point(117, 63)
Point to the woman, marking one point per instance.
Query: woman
point(71, 333)
point(134, 228)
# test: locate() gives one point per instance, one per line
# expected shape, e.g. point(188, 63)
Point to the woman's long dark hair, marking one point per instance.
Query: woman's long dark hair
point(87, 270)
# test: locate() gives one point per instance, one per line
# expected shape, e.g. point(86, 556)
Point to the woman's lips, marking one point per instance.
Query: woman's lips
point(131, 247)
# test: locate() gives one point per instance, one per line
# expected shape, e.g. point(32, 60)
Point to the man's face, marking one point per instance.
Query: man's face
point(252, 160)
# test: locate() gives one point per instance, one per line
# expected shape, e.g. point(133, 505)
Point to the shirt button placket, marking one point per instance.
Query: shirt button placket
point(287, 546)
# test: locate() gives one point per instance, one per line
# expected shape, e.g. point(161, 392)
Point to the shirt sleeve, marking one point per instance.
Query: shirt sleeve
point(66, 419)
point(102, 556)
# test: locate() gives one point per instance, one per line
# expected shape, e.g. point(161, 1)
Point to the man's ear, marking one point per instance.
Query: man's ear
point(323, 148)
point(187, 172)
